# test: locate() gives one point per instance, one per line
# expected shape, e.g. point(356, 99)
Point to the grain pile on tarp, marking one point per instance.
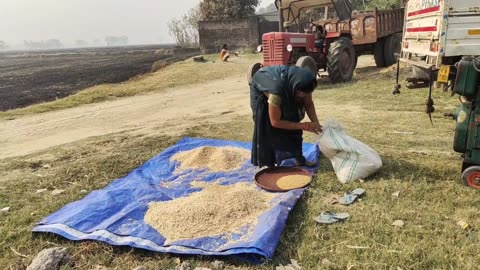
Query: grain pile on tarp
point(214, 210)
point(116, 214)
point(214, 159)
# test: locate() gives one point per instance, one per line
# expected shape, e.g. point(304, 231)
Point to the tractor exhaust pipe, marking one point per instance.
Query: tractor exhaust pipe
point(281, 20)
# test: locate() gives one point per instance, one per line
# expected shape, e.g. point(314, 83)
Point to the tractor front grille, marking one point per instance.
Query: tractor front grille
point(274, 52)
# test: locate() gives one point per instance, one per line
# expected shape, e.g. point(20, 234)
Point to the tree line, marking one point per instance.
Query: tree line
point(53, 44)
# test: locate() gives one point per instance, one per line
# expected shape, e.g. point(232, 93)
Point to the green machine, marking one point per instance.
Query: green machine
point(467, 115)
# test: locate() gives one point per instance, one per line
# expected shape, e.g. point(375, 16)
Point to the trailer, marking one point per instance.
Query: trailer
point(377, 32)
point(437, 34)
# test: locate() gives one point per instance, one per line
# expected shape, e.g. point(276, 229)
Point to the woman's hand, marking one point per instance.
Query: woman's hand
point(313, 127)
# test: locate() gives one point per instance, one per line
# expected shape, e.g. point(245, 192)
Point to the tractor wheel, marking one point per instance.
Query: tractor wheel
point(471, 177)
point(378, 53)
point(393, 47)
point(307, 62)
point(341, 60)
point(253, 69)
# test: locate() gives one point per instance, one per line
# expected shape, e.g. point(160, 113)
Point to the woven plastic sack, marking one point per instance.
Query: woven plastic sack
point(351, 159)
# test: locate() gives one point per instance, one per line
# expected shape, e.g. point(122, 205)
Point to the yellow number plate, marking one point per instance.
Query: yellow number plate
point(443, 74)
point(472, 32)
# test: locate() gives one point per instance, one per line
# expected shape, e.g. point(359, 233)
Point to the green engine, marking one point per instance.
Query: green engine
point(467, 132)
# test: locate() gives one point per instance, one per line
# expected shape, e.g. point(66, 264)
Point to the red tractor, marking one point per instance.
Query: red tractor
point(313, 49)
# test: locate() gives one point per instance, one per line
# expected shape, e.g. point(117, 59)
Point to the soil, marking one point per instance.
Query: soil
point(165, 112)
point(28, 78)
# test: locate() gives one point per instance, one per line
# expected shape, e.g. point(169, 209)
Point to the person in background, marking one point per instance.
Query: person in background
point(279, 98)
point(224, 53)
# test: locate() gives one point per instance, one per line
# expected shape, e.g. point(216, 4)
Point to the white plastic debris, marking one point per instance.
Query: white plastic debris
point(398, 223)
point(58, 191)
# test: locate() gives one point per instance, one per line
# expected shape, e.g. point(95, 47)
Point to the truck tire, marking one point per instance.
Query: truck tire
point(341, 60)
point(393, 45)
point(309, 63)
point(252, 70)
point(378, 53)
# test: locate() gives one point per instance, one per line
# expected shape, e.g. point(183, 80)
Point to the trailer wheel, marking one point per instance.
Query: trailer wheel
point(378, 53)
point(309, 63)
point(471, 177)
point(393, 46)
point(252, 70)
point(341, 60)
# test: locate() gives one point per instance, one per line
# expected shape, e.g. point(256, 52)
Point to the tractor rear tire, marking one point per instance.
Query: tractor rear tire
point(341, 60)
point(471, 177)
point(252, 70)
point(309, 63)
point(392, 48)
point(378, 53)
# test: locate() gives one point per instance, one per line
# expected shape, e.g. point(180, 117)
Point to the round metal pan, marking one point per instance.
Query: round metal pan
point(267, 178)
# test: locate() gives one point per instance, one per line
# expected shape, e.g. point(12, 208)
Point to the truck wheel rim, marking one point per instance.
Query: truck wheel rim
point(473, 180)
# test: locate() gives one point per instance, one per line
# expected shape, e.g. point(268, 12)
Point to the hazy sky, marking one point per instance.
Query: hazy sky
point(143, 21)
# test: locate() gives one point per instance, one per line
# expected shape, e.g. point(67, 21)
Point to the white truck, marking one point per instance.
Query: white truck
point(437, 33)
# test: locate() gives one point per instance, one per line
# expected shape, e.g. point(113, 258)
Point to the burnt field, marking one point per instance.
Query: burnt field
point(33, 77)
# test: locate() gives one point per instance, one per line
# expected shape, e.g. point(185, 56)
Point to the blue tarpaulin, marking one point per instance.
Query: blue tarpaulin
point(115, 214)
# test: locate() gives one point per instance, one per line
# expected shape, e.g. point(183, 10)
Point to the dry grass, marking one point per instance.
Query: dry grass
point(179, 74)
point(421, 166)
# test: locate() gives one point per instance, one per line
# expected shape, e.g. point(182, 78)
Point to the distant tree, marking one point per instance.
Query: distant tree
point(53, 44)
point(50, 44)
point(81, 43)
point(217, 10)
point(3, 45)
point(380, 4)
point(116, 41)
point(185, 29)
point(267, 9)
point(97, 42)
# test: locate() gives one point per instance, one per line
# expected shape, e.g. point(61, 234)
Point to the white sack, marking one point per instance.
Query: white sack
point(351, 159)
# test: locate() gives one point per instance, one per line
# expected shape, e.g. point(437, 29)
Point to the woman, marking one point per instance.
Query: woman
point(279, 98)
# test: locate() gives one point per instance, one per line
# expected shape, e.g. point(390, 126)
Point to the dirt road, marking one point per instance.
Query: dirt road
point(169, 112)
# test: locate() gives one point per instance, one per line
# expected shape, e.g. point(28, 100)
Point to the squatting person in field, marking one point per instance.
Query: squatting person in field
point(279, 98)
point(224, 53)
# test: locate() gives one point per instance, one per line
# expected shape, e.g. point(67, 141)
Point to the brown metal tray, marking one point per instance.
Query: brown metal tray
point(267, 178)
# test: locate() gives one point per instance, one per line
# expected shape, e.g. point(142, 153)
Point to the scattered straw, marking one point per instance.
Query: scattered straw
point(203, 184)
point(293, 181)
point(213, 211)
point(215, 159)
